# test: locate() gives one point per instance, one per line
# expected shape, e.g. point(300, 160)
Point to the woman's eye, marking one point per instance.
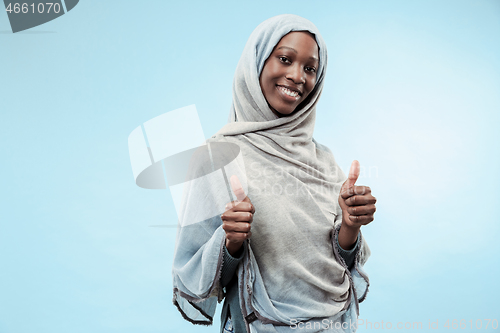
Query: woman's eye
point(284, 59)
point(311, 69)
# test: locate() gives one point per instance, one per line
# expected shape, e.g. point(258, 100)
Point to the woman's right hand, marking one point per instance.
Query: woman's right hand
point(237, 219)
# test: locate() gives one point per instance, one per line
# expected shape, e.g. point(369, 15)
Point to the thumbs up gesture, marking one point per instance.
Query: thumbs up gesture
point(237, 218)
point(358, 206)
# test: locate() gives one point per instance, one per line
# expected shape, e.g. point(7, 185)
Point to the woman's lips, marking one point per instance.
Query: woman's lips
point(289, 94)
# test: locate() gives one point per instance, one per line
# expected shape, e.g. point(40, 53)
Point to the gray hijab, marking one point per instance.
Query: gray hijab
point(291, 269)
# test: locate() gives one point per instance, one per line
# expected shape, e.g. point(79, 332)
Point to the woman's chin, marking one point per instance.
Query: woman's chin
point(283, 112)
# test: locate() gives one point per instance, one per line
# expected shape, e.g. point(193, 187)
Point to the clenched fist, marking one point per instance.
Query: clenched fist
point(237, 219)
point(358, 206)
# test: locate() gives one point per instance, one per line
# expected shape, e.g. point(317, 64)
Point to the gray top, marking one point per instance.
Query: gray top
point(229, 280)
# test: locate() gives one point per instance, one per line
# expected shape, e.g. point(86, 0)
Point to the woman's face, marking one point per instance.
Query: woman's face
point(289, 74)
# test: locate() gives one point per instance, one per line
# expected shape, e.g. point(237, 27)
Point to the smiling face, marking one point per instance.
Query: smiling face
point(289, 74)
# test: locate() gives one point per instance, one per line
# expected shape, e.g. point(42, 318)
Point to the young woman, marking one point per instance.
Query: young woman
point(288, 252)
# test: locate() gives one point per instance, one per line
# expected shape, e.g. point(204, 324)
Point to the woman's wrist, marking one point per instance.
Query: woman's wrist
point(234, 249)
point(348, 236)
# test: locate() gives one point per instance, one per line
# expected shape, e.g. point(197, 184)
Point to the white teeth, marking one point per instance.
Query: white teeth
point(289, 92)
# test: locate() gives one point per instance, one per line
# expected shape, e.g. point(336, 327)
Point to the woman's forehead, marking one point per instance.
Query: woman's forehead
point(299, 41)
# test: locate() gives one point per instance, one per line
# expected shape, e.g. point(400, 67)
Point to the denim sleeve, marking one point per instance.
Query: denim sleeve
point(348, 255)
point(229, 265)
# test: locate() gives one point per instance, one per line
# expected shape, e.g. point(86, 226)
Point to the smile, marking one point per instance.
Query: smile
point(288, 92)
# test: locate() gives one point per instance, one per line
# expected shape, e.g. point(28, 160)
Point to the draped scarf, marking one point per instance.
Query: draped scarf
point(291, 271)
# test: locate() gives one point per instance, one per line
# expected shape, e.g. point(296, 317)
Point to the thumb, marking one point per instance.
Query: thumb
point(237, 188)
point(353, 175)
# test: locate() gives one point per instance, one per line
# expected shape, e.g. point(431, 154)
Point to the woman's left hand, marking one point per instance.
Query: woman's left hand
point(358, 206)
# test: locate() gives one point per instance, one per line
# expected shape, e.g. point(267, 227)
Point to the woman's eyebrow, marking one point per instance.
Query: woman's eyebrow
point(294, 50)
point(286, 47)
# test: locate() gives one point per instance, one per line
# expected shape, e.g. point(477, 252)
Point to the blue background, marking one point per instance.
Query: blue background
point(412, 92)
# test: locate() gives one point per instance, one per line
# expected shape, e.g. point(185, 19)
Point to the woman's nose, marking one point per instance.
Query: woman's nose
point(296, 74)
